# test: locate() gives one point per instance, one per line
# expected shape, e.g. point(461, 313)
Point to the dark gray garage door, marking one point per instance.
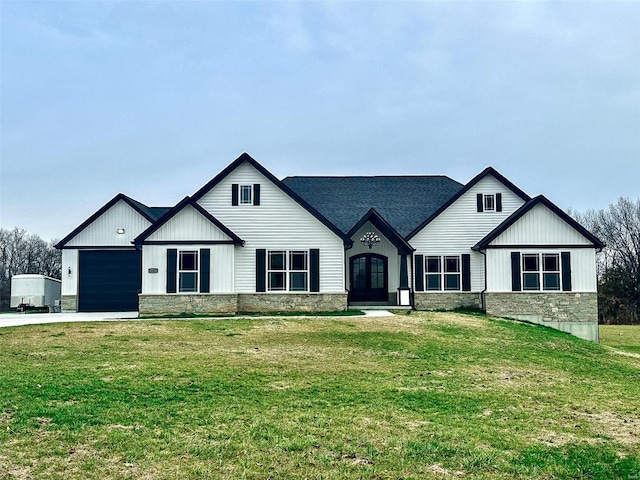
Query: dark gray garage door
point(109, 281)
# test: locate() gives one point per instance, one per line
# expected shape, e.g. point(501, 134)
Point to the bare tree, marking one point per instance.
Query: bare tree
point(21, 253)
point(619, 263)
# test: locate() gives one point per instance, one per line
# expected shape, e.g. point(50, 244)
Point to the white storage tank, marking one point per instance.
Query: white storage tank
point(35, 291)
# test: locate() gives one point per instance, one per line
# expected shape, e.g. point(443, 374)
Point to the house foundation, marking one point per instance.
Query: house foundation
point(571, 312)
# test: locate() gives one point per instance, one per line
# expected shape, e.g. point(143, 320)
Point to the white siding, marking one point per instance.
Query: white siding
point(385, 248)
point(461, 226)
point(583, 268)
point(540, 226)
point(155, 256)
point(103, 230)
point(69, 280)
point(278, 223)
point(188, 225)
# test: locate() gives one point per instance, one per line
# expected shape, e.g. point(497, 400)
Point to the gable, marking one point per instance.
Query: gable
point(188, 225)
point(540, 226)
point(280, 214)
point(459, 226)
point(488, 172)
point(539, 222)
point(103, 229)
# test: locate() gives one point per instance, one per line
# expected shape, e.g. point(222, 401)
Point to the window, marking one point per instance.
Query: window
point(550, 271)
point(288, 271)
point(443, 273)
point(246, 194)
point(277, 271)
point(541, 269)
point(489, 203)
point(433, 273)
point(188, 271)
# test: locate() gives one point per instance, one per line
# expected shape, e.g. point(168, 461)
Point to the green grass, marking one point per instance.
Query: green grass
point(621, 337)
point(426, 395)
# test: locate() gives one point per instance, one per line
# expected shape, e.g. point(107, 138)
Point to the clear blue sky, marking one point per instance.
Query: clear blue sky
point(152, 99)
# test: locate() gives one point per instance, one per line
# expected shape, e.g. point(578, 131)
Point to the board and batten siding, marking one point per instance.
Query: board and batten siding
point(540, 226)
point(69, 263)
point(103, 231)
point(384, 248)
point(188, 225)
point(583, 268)
point(191, 226)
point(461, 226)
point(155, 257)
point(541, 231)
point(278, 223)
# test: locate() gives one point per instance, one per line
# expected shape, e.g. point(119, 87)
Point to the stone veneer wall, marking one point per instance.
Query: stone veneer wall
point(69, 303)
point(445, 300)
point(571, 312)
point(194, 303)
point(244, 302)
point(289, 302)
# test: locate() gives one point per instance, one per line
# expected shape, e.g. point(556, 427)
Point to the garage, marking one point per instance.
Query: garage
point(109, 280)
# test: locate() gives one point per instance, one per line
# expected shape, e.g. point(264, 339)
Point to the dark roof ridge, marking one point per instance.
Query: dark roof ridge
point(417, 175)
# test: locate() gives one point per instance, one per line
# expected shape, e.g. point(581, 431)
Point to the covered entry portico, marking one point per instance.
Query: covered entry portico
point(377, 264)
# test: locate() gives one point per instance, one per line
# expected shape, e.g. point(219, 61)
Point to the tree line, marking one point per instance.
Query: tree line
point(25, 253)
point(618, 265)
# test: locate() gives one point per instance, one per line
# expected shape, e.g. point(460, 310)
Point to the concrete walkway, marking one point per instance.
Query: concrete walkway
point(17, 319)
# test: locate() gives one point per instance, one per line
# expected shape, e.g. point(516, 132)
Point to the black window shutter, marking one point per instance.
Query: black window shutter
point(256, 194)
point(516, 283)
point(566, 271)
point(480, 199)
point(314, 270)
point(466, 272)
point(234, 194)
point(261, 260)
point(498, 202)
point(172, 260)
point(205, 269)
point(419, 273)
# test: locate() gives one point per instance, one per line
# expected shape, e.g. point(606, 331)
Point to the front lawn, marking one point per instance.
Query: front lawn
point(425, 395)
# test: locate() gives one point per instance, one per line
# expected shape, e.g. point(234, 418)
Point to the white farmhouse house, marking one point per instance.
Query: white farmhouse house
point(247, 242)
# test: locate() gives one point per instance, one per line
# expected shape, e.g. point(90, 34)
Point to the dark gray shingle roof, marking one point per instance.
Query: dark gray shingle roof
point(404, 201)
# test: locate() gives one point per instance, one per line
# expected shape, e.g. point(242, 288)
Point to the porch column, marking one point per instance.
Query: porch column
point(404, 294)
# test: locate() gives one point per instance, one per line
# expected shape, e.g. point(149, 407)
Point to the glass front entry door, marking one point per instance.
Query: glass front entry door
point(368, 278)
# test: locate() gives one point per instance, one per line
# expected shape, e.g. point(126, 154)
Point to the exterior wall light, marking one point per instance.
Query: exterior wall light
point(120, 231)
point(370, 240)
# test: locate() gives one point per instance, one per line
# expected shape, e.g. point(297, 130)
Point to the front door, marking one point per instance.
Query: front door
point(368, 278)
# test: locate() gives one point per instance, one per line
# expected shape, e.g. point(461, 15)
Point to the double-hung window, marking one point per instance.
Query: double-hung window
point(288, 271)
point(188, 271)
point(541, 270)
point(443, 272)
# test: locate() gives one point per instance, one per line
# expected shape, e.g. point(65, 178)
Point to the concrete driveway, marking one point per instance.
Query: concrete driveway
point(16, 319)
